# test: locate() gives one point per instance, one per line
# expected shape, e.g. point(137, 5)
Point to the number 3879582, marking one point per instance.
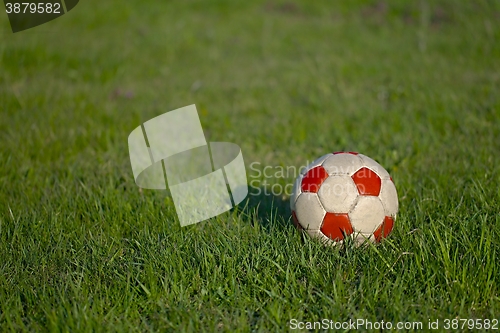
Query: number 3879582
point(33, 8)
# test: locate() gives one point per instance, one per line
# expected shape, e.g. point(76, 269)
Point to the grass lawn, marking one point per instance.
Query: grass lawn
point(413, 84)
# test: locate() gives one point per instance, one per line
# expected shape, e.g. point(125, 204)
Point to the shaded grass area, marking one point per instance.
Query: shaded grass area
point(412, 84)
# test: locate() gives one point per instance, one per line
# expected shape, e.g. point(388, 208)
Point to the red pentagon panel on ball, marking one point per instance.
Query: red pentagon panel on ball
point(295, 221)
point(335, 226)
point(385, 229)
point(313, 179)
point(367, 182)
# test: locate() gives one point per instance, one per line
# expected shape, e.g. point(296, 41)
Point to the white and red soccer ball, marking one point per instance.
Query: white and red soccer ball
point(343, 195)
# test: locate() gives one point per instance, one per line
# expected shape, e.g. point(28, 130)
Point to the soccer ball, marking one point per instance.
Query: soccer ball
point(344, 194)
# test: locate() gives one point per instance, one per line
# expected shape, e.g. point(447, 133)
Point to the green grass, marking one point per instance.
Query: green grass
point(413, 84)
